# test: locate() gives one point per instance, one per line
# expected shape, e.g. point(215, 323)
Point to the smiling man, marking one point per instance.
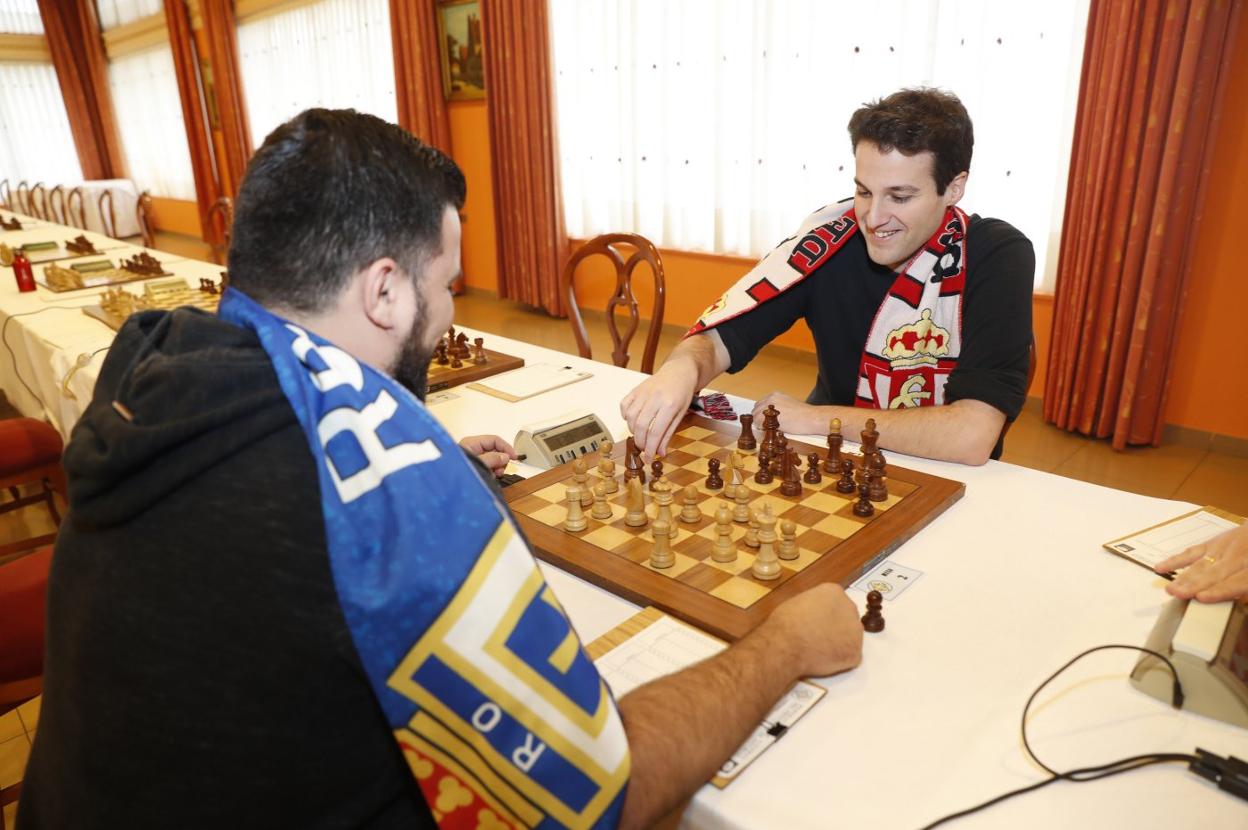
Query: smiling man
point(921, 314)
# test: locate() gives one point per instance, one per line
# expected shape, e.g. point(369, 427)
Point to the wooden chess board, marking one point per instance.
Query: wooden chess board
point(444, 377)
point(725, 599)
point(114, 314)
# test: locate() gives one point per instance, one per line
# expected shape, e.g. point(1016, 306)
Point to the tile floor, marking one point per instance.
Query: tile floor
point(1170, 471)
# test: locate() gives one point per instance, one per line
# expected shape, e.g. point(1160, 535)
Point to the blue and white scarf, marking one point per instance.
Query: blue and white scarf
point(502, 717)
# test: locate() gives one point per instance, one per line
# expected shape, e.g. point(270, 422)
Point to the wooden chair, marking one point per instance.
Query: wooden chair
point(107, 217)
point(143, 213)
point(23, 198)
point(222, 211)
point(6, 194)
point(23, 605)
point(39, 201)
point(56, 205)
point(30, 454)
point(609, 245)
point(77, 218)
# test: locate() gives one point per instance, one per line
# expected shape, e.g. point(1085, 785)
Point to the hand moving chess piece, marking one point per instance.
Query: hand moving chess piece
point(656, 471)
point(662, 556)
point(576, 520)
point(633, 468)
point(766, 564)
point(873, 620)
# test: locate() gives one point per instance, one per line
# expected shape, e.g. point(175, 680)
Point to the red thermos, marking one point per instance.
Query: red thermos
point(22, 272)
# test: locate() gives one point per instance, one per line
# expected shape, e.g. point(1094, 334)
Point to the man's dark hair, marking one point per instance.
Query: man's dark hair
point(912, 121)
point(329, 192)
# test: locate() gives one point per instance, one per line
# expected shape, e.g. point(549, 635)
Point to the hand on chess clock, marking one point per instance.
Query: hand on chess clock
point(1213, 571)
point(493, 451)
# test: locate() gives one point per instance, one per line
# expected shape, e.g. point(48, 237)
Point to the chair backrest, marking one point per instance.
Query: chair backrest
point(39, 201)
point(222, 211)
point(107, 218)
point(6, 194)
point(143, 212)
point(56, 205)
point(23, 197)
point(23, 586)
point(609, 245)
point(77, 218)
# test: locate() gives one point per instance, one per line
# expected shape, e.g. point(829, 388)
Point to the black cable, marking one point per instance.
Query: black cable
point(1084, 773)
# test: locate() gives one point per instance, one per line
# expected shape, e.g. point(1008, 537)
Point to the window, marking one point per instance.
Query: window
point(331, 53)
point(146, 102)
point(718, 126)
point(35, 140)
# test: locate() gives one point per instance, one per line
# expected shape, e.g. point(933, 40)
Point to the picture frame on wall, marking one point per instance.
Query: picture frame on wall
point(459, 41)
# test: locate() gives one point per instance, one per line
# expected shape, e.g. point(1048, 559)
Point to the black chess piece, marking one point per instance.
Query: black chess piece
point(713, 479)
point(846, 482)
point(873, 620)
point(863, 507)
point(656, 471)
point(747, 442)
point(812, 469)
point(764, 474)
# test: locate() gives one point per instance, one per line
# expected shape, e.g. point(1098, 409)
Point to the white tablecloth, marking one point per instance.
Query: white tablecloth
point(1014, 583)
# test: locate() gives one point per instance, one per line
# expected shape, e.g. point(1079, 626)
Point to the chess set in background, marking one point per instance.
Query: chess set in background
point(455, 362)
point(716, 559)
point(141, 266)
point(117, 304)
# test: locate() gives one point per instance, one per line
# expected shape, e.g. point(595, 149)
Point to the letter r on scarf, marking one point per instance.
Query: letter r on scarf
point(382, 461)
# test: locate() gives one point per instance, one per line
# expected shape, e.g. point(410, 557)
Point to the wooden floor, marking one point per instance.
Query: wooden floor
point(1172, 471)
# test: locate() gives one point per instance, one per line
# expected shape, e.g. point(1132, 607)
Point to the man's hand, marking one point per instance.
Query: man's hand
point(493, 451)
point(822, 629)
point(1216, 570)
point(796, 417)
point(654, 408)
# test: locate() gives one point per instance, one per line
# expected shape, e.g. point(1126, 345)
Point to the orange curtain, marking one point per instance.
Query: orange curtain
point(418, 73)
point(1153, 73)
point(73, 34)
point(226, 88)
point(198, 140)
point(532, 243)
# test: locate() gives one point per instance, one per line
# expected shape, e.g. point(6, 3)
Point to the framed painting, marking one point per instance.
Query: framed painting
point(459, 38)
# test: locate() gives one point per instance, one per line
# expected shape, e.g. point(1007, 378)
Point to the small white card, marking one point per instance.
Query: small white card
point(440, 397)
point(889, 578)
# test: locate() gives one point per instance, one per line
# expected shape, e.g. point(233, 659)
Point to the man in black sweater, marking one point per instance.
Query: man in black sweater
point(200, 669)
point(921, 316)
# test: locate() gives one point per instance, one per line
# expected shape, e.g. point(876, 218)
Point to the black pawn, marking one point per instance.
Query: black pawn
point(747, 441)
point(873, 620)
point(846, 482)
point(713, 480)
point(656, 471)
point(812, 469)
point(764, 474)
point(863, 507)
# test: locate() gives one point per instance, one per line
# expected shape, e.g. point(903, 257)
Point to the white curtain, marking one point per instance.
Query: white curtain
point(146, 101)
point(35, 141)
point(333, 53)
point(120, 12)
point(20, 17)
point(717, 125)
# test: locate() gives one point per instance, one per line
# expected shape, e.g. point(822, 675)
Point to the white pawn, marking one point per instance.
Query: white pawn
point(662, 556)
point(788, 540)
point(580, 475)
point(741, 495)
point(601, 510)
point(576, 520)
point(606, 468)
point(690, 512)
point(724, 550)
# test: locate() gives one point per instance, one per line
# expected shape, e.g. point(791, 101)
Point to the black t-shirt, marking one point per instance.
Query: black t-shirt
point(839, 301)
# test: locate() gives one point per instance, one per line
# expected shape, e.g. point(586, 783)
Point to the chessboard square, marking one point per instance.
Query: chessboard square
point(771, 486)
point(825, 502)
point(802, 515)
point(677, 458)
point(817, 540)
point(701, 449)
point(695, 547)
point(694, 527)
point(805, 557)
point(635, 549)
point(695, 432)
point(678, 440)
point(552, 514)
point(607, 537)
point(740, 591)
point(838, 526)
point(682, 564)
point(900, 489)
point(770, 584)
point(704, 578)
point(892, 499)
point(734, 567)
point(847, 512)
point(720, 440)
point(681, 477)
point(525, 505)
point(554, 493)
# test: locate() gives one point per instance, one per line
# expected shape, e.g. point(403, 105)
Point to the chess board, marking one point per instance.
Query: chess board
point(725, 599)
point(114, 315)
point(444, 377)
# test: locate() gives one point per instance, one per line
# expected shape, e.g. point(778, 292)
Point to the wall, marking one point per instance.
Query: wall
point(470, 147)
point(176, 216)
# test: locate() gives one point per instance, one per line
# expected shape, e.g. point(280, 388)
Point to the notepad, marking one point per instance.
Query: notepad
point(528, 381)
point(1159, 542)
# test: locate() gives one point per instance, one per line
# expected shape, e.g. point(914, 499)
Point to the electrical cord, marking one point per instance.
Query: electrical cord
point(1231, 774)
point(4, 337)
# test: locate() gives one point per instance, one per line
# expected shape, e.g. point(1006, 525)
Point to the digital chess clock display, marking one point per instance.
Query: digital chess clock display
point(560, 437)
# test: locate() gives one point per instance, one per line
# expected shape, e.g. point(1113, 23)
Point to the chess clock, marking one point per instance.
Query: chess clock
point(1208, 644)
point(561, 439)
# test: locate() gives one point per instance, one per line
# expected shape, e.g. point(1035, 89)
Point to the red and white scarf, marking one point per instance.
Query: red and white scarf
point(916, 336)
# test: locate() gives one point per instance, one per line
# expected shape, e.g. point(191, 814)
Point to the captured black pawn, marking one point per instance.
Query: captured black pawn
point(873, 620)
